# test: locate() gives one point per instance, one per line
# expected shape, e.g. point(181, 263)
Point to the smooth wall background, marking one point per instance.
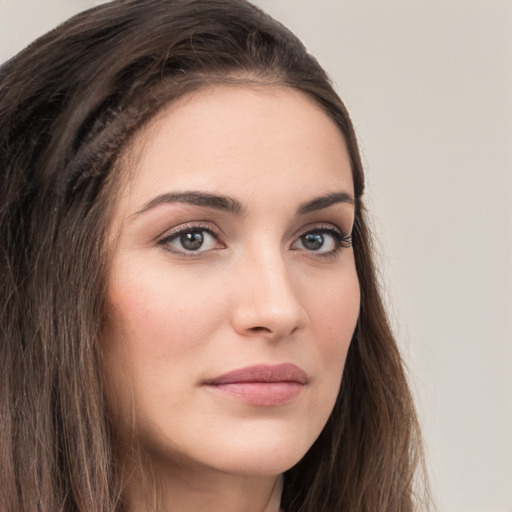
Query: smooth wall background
point(429, 86)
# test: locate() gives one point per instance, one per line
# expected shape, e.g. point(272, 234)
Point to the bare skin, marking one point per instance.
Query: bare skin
point(233, 296)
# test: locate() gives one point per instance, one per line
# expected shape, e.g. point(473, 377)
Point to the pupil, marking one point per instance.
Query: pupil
point(313, 241)
point(192, 241)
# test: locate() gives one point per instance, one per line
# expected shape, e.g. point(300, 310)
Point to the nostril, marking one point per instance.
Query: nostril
point(260, 329)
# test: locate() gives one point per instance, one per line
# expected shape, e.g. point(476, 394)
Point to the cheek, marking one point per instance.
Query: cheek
point(334, 314)
point(165, 316)
point(156, 330)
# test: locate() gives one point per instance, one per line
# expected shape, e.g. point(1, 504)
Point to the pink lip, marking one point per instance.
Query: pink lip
point(263, 385)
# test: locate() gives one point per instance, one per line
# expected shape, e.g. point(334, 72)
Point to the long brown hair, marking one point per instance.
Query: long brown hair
point(69, 105)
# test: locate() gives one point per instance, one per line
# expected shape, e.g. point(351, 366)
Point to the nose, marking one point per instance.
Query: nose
point(267, 301)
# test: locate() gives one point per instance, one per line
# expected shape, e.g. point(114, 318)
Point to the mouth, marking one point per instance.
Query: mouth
point(261, 385)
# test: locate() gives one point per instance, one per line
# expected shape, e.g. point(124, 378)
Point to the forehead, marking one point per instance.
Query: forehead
point(239, 140)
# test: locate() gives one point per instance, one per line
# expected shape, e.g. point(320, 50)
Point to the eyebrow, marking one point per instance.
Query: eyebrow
point(322, 202)
point(218, 202)
point(230, 205)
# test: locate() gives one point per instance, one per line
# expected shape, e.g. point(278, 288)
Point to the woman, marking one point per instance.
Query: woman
point(191, 317)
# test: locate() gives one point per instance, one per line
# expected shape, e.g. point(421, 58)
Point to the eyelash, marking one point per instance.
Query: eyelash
point(341, 240)
point(175, 233)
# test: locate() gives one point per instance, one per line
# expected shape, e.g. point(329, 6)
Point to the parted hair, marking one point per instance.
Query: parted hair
point(70, 104)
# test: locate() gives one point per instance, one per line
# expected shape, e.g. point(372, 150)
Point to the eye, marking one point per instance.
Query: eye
point(322, 240)
point(190, 240)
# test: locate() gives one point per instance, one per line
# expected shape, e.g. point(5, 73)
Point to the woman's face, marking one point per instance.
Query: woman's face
point(233, 291)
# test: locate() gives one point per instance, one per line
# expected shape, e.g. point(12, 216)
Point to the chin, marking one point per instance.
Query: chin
point(260, 464)
point(262, 453)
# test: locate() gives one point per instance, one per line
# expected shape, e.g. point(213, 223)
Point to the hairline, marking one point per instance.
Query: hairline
point(134, 147)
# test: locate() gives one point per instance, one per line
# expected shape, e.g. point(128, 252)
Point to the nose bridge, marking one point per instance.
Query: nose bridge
point(268, 300)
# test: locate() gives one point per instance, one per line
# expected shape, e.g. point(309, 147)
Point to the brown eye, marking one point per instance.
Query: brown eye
point(312, 241)
point(192, 241)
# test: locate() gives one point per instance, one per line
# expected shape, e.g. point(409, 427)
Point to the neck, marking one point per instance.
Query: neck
point(202, 490)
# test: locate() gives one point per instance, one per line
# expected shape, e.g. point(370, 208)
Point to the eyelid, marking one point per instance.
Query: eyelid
point(175, 231)
point(193, 225)
point(344, 238)
point(319, 226)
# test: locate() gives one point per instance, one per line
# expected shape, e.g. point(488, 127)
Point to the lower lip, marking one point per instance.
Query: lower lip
point(265, 394)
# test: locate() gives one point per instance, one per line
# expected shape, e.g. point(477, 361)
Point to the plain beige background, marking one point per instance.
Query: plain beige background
point(429, 86)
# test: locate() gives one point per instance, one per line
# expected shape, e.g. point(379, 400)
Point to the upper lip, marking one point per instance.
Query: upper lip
point(285, 372)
